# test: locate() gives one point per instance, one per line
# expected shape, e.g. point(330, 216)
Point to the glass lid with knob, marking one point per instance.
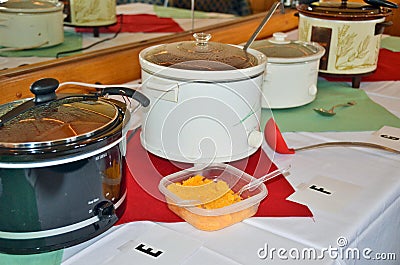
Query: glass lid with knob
point(49, 119)
point(201, 54)
point(281, 50)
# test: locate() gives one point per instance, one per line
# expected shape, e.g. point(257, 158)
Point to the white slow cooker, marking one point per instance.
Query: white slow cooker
point(205, 100)
point(31, 24)
point(292, 69)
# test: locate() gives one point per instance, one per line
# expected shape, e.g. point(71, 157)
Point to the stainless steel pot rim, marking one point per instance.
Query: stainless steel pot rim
point(30, 145)
point(65, 160)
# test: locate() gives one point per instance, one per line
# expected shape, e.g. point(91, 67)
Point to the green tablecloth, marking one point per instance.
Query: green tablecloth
point(72, 41)
point(366, 115)
point(48, 258)
point(391, 43)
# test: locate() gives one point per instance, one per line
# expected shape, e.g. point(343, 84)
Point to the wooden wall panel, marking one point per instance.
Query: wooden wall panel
point(121, 64)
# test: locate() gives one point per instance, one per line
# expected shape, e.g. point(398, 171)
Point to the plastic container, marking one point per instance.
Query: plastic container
point(214, 219)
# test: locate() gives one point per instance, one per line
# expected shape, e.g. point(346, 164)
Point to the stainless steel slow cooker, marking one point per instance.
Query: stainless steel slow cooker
point(62, 178)
point(205, 100)
point(350, 32)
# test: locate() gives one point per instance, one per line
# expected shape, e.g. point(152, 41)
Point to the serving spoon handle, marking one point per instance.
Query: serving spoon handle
point(257, 182)
point(330, 112)
point(359, 144)
point(262, 24)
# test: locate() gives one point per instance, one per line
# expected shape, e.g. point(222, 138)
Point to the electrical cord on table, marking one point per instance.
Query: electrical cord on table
point(96, 43)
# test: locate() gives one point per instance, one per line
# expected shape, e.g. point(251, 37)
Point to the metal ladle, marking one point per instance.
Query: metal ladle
point(330, 112)
point(271, 11)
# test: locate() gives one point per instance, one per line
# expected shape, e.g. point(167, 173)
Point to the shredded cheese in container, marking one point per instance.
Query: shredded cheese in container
point(213, 194)
point(206, 197)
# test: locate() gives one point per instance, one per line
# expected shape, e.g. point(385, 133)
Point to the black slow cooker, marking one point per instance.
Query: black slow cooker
point(62, 178)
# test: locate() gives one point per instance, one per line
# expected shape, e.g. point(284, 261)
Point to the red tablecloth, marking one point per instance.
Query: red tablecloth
point(138, 23)
point(145, 202)
point(387, 68)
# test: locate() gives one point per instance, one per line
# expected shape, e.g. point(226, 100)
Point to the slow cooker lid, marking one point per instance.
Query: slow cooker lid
point(279, 49)
point(344, 10)
point(59, 121)
point(18, 6)
point(201, 55)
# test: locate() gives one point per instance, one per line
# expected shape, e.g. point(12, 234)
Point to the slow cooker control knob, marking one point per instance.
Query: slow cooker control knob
point(255, 139)
point(312, 90)
point(104, 210)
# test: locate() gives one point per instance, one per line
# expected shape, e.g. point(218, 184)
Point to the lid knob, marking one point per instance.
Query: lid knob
point(202, 38)
point(279, 38)
point(44, 90)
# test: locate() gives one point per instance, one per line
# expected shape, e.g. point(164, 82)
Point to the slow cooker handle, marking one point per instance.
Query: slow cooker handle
point(380, 27)
point(45, 90)
point(125, 91)
point(383, 3)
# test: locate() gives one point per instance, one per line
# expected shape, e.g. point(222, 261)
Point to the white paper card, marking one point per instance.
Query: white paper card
point(138, 243)
point(325, 194)
point(387, 136)
point(159, 245)
point(108, 244)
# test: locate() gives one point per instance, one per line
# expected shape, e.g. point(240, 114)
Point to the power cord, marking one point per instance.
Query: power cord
point(96, 43)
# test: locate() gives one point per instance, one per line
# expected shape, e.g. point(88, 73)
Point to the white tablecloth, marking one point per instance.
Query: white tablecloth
point(372, 218)
point(368, 225)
